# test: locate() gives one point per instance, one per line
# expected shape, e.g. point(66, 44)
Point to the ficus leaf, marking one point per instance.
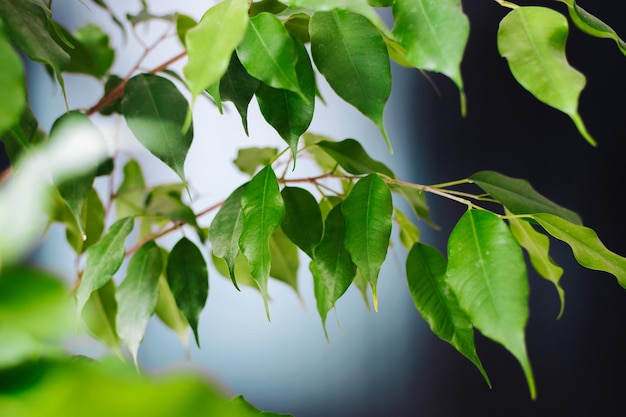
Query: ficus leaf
point(416, 199)
point(425, 272)
point(367, 212)
point(89, 50)
point(434, 35)
point(238, 87)
point(155, 112)
point(225, 231)
point(167, 311)
point(130, 195)
point(22, 134)
point(211, 43)
point(104, 258)
point(285, 262)
point(92, 224)
point(487, 273)
point(286, 111)
point(352, 56)
point(301, 208)
point(263, 209)
point(99, 315)
point(409, 234)
point(12, 83)
point(353, 158)
point(188, 277)
point(269, 54)
point(138, 294)
point(519, 197)
point(250, 159)
point(532, 39)
point(538, 247)
point(588, 250)
point(241, 271)
point(332, 266)
point(166, 201)
point(183, 24)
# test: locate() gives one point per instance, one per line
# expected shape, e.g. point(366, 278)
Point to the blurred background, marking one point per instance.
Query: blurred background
point(389, 363)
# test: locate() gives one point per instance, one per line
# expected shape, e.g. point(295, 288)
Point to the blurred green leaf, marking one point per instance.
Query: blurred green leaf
point(92, 224)
point(353, 158)
point(183, 24)
point(21, 136)
point(167, 311)
point(130, 195)
point(89, 50)
point(99, 314)
point(166, 201)
point(409, 234)
point(416, 199)
point(250, 159)
point(285, 262)
point(12, 83)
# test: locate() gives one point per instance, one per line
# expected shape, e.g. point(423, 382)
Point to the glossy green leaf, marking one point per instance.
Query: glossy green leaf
point(92, 224)
point(167, 311)
point(138, 294)
point(591, 25)
point(270, 6)
point(130, 195)
point(21, 136)
point(286, 111)
point(352, 56)
point(211, 43)
point(269, 54)
point(409, 234)
point(263, 209)
point(367, 211)
point(285, 262)
point(487, 272)
point(532, 39)
point(103, 260)
point(434, 35)
point(225, 231)
point(519, 197)
point(353, 158)
point(27, 23)
point(100, 314)
point(250, 159)
point(188, 277)
point(416, 199)
point(588, 250)
point(301, 208)
point(166, 201)
point(12, 83)
point(538, 247)
point(155, 112)
point(434, 299)
point(298, 25)
point(332, 266)
point(238, 87)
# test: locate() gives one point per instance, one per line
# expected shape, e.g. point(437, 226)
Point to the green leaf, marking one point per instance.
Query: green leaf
point(269, 54)
point(167, 311)
point(416, 199)
point(301, 208)
point(409, 234)
point(130, 195)
point(285, 262)
point(155, 112)
point(351, 156)
point(487, 272)
point(225, 231)
point(298, 25)
point(434, 299)
point(166, 201)
point(89, 50)
point(361, 284)
point(588, 250)
point(240, 400)
point(238, 87)
point(183, 24)
point(367, 211)
point(352, 56)
point(21, 136)
point(104, 258)
point(115, 106)
point(532, 39)
point(92, 224)
point(241, 271)
point(434, 35)
point(263, 209)
point(250, 159)
point(321, 158)
point(538, 247)
point(12, 84)
point(99, 316)
point(380, 3)
point(188, 277)
point(286, 111)
point(591, 25)
point(138, 294)
point(519, 197)
point(332, 266)
point(27, 23)
point(211, 43)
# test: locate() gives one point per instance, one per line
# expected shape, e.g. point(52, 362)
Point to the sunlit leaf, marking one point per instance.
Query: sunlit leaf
point(425, 272)
point(332, 266)
point(519, 197)
point(434, 35)
point(286, 111)
point(353, 158)
point(250, 159)
point(188, 277)
point(238, 87)
point(588, 250)
point(263, 209)
point(130, 195)
point(269, 54)
point(532, 39)
point(591, 25)
point(352, 56)
point(301, 208)
point(487, 273)
point(103, 260)
point(100, 314)
point(367, 211)
point(155, 112)
point(138, 294)
point(12, 83)
point(211, 43)
point(285, 262)
point(225, 231)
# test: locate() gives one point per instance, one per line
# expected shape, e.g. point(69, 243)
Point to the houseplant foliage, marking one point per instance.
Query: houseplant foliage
point(275, 53)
